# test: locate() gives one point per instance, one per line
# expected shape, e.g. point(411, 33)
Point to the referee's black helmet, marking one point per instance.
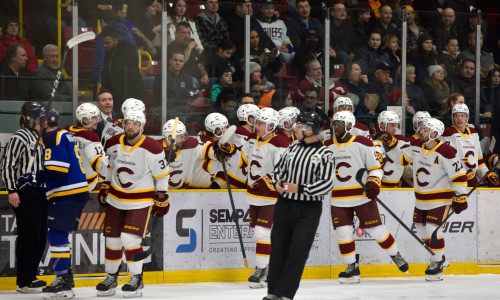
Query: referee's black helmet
point(28, 113)
point(311, 119)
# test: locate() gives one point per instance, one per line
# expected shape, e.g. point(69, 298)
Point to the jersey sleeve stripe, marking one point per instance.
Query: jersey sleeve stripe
point(57, 169)
point(161, 175)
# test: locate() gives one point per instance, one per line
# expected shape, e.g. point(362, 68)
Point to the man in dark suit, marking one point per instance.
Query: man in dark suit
point(121, 73)
point(105, 104)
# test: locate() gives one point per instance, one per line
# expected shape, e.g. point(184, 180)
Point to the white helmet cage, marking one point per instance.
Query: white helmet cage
point(347, 117)
point(135, 115)
point(460, 108)
point(247, 110)
point(168, 128)
point(420, 116)
point(87, 111)
point(387, 117)
point(435, 126)
point(340, 101)
point(286, 115)
point(270, 117)
point(216, 121)
point(132, 104)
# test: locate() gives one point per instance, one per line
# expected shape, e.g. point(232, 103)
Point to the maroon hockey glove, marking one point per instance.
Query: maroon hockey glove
point(493, 178)
point(103, 193)
point(161, 206)
point(388, 139)
point(459, 203)
point(491, 160)
point(228, 148)
point(372, 187)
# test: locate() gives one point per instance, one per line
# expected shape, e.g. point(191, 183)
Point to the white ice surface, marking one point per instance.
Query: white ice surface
point(477, 287)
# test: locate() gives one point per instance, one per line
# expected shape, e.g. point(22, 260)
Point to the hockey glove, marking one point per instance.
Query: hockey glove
point(388, 139)
point(372, 187)
point(30, 180)
point(459, 203)
point(492, 160)
point(161, 206)
point(103, 193)
point(226, 148)
point(493, 178)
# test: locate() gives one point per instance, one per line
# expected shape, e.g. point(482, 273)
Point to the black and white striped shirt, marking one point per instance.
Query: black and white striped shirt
point(310, 166)
point(17, 155)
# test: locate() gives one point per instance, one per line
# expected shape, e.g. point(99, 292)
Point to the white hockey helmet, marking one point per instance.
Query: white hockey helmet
point(341, 101)
point(435, 126)
point(460, 108)
point(216, 121)
point(345, 116)
point(86, 111)
point(287, 114)
point(268, 116)
point(132, 104)
point(420, 116)
point(135, 115)
point(387, 117)
point(168, 128)
point(247, 110)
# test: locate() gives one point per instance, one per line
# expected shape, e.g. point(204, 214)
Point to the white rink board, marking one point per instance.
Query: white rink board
point(200, 233)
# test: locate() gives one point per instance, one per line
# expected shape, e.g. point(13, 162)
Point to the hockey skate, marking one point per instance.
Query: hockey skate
point(271, 297)
point(70, 273)
point(134, 287)
point(258, 278)
point(351, 274)
point(108, 286)
point(34, 287)
point(435, 270)
point(400, 262)
point(60, 288)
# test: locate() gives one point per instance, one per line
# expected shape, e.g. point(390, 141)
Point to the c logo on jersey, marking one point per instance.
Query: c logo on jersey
point(257, 164)
point(467, 156)
point(337, 173)
point(172, 183)
point(423, 170)
point(389, 172)
point(126, 170)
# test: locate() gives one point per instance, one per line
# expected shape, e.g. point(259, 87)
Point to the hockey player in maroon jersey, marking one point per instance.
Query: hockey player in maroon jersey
point(91, 151)
point(466, 140)
point(348, 197)
point(263, 151)
point(439, 183)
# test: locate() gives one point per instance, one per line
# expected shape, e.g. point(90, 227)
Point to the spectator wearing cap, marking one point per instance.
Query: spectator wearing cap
point(475, 17)
point(275, 29)
point(423, 56)
point(462, 8)
point(314, 77)
point(486, 59)
point(435, 88)
point(370, 55)
point(383, 85)
point(300, 23)
point(445, 29)
point(415, 29)
point(340, 30)
point(310, 49)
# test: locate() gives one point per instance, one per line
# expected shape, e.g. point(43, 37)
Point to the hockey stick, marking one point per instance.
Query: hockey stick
point(325, 119)
point(359, 179)
point(154, 241)
point(229, 132)
point(86, 36)
point(434, 238)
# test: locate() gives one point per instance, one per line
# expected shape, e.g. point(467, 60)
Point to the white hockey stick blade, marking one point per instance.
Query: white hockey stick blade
point(83, 37)
point(492, 144)
point(229, 132)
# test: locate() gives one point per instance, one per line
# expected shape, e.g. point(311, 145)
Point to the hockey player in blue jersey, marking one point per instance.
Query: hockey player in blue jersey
point(67, 192)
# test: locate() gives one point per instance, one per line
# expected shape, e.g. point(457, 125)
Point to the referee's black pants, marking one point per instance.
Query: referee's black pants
point(294, 227)
point(31, 218)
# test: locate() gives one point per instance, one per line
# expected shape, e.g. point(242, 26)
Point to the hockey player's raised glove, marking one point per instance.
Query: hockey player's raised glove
point(227, 148)
point(492, 160)
point(161, 205)
point(372, 187)
point(103, 193)
point(493, 178)
point(388, 139)
point(459, 203)
point(30, 180)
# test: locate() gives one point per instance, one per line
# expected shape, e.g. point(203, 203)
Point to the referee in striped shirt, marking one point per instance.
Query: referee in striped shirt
point(27, 198)
point(303, 176)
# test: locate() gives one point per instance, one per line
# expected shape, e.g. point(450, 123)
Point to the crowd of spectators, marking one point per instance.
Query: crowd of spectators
point(206, 53)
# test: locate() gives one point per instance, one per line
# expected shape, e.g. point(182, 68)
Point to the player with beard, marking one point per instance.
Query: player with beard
point(115, 126)
point(134, 187)
point(348, 197)
point(345, 104)
point(418, 120)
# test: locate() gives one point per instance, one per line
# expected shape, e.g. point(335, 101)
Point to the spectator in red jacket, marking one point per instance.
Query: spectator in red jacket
point(10, 30)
